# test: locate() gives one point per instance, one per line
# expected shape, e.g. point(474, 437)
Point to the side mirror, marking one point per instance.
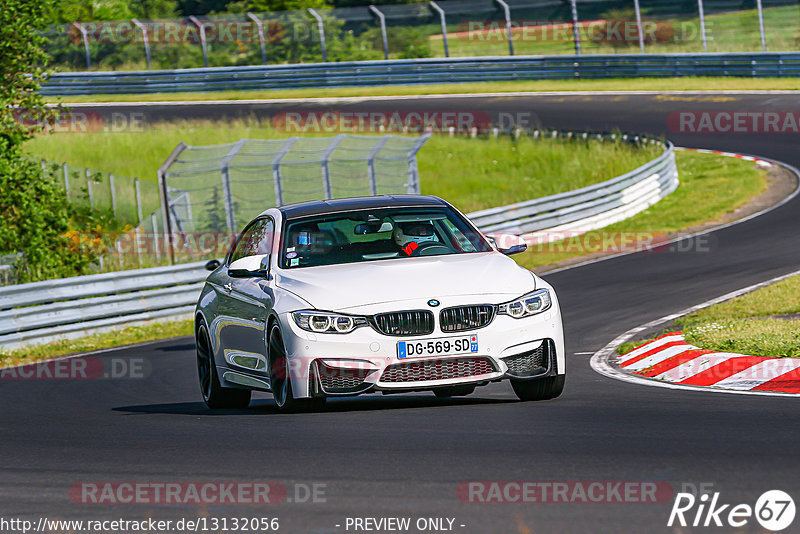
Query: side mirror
point(250, 266)
point(212, 265)
point(516, 249)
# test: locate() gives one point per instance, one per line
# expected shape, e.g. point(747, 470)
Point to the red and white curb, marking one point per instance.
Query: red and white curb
point(669, 358)
point(757, 161)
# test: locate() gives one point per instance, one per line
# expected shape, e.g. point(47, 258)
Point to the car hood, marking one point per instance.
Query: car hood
point(338, 287)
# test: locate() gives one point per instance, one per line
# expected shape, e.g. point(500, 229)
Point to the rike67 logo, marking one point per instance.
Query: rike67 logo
point(774, 510)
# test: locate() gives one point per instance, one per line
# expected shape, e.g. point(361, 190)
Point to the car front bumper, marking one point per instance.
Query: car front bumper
point(366, 360)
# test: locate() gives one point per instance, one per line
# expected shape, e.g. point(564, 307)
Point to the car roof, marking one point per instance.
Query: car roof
point(321, 207)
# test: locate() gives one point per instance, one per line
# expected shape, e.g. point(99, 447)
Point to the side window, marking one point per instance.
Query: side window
point(256, 240)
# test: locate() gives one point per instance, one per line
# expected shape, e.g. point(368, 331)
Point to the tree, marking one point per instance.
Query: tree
point(34, 211)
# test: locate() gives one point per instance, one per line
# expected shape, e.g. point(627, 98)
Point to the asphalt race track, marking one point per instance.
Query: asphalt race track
point(406, 455)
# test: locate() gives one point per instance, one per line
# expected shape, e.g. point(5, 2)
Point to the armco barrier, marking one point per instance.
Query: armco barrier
point(41, 312)
point(590, 207)
point(419, 71)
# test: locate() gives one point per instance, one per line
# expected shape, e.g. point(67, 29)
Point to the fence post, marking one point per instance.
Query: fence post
point(443, 21)
point(85, 36)
point(44, 169)
point(507, 12)
point(276, 169)
point(163, 193)
point(113, 194)
point(702, 24)
point(89, 188)
point(413, 171)
point(321, 29)
point(326, 172)
point(66, 178)
point(373, 182)
point(260, 27)
point(146, 41)
point(154, 224)
point(382, 20)
point(138, 219)
point(575, 31)
point(230, 216)
point(639, 24)
point(201, 30)
point(761, 25)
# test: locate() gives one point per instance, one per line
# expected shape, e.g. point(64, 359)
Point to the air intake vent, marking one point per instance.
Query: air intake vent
point(405, 323)
point(429, 370)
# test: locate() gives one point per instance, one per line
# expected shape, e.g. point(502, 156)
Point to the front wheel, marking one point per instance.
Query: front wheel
point(541, 389)
point(280, 381)
point(214, 395)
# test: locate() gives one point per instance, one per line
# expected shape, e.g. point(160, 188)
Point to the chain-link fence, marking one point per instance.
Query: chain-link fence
point(458, 28)
point(213, 191)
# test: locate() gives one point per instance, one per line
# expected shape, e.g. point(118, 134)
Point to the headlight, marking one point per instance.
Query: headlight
point(327, 323)
point(527, 305)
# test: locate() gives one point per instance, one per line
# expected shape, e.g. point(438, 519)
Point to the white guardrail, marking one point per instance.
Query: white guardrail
point(68, 308)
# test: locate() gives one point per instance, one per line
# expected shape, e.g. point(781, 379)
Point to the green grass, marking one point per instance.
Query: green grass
point(772, 337)
point(747, 324)
point(750, 324)
point(611, 84)
point(780, 298)
point(126, 336)
point(710, 185)
point(473, 174)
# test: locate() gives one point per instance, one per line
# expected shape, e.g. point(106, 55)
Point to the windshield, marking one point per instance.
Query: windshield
point(377, 234)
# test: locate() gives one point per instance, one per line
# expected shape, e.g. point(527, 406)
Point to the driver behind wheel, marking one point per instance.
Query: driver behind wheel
point(409, 235)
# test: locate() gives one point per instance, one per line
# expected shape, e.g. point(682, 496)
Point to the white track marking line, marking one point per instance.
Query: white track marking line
point(659, 357)
point(696, 366)
point(760, 373)
point(648, 347)
point(354, 99)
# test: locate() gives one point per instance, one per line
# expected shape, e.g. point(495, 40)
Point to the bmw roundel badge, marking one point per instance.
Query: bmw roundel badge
point(433, 303)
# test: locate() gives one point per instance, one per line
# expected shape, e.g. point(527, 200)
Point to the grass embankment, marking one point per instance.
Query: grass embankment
point(764, 322)
point(710, 187)
point(612, 84)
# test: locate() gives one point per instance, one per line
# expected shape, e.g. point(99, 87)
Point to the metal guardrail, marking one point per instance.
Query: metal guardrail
point(418, 71)
point(590, 207)
point(41, 312)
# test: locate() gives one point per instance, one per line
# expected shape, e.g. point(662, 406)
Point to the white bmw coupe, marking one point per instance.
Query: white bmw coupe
point(376, 294)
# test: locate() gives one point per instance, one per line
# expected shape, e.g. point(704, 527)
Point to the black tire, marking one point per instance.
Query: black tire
point(214, 395)
point(541, 389)
point(280, 384)
point(454, 391)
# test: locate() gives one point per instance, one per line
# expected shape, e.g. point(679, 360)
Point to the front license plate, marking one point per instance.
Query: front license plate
point(445, 346)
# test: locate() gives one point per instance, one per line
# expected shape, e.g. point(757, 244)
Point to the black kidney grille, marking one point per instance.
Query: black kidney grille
point(463, 318)
point(405, 323)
